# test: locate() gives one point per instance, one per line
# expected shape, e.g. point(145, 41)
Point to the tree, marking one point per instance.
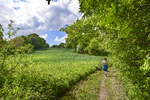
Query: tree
point(20, 44)
point(80, 33)
point(1, 36)
point(11, 30)
point(5, 52)
point(32, 40)
point(36, 41)
point(17, 42)
point(5, 46)
point(1, 32)
point(95, 47)
point(61, 45)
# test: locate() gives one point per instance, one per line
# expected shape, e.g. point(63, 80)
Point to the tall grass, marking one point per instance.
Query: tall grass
point(46, 74)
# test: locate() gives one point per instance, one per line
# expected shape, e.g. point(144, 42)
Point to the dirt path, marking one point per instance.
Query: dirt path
point(97, 87)
point(111, 88)
point(102, 94)
point(87, 89)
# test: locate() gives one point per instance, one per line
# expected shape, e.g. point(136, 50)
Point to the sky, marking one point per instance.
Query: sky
point(36, 16)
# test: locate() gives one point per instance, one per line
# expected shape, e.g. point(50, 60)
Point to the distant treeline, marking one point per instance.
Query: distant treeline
point(26, 44)
point(61, 45)
point(20, 44)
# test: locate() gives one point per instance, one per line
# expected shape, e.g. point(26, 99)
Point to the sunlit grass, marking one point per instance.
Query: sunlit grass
point(87, 89)
point(47, 74)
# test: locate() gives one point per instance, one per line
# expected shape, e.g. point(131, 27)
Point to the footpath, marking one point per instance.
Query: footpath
point(111, 88)
point(97, 87)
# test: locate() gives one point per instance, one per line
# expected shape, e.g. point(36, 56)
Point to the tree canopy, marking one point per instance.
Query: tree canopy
point(36, 41)
point(32, 39)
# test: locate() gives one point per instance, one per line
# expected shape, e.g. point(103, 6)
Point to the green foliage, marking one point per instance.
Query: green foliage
point(17, 42)
point(1, 37)
point(61, 45)
point(20, 45)
point(8, 58)
point(95, 47)
point(80, 34)
point(124, 30)
point(26, 44)
point(1, 33)
point(87, 89)
point(36, 41)
point(11, 30)
point(5, 52)
point(5, 46)
point(46, 74)
point(27, 48)
point(132, 90)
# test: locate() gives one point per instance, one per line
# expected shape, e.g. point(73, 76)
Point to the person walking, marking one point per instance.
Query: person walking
point(105, 67)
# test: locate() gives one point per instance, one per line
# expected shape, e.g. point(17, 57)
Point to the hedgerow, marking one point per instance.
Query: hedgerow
point(124, 30)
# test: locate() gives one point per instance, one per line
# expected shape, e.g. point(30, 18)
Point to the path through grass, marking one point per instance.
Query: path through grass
point(112, 89)
point(96, 87)
point(87, 89)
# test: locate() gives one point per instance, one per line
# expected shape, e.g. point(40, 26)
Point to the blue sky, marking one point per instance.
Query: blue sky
point(36, 16)
point(55, 37)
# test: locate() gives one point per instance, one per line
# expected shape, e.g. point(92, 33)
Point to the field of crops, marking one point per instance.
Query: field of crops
point(47, 74)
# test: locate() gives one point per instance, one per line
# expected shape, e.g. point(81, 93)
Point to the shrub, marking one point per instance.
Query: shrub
point(95, 48)
point(28, 48)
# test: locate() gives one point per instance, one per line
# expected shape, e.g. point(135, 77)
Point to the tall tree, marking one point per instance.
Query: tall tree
point(36, 41)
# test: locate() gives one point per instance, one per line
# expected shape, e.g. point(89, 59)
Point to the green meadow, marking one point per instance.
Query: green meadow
point(47, 74)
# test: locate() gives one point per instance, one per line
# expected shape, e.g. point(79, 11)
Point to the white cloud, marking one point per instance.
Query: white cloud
point(44, 36)
point(37, 16)
point(61, 40)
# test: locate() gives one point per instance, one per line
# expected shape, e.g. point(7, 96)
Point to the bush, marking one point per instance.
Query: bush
point(95, 48)
point(61, 45)
point(28, 48)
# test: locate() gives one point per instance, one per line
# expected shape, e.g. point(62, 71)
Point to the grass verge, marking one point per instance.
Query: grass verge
point(87, 89)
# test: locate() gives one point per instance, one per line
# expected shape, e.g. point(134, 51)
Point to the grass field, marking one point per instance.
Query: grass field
point(47, 74)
